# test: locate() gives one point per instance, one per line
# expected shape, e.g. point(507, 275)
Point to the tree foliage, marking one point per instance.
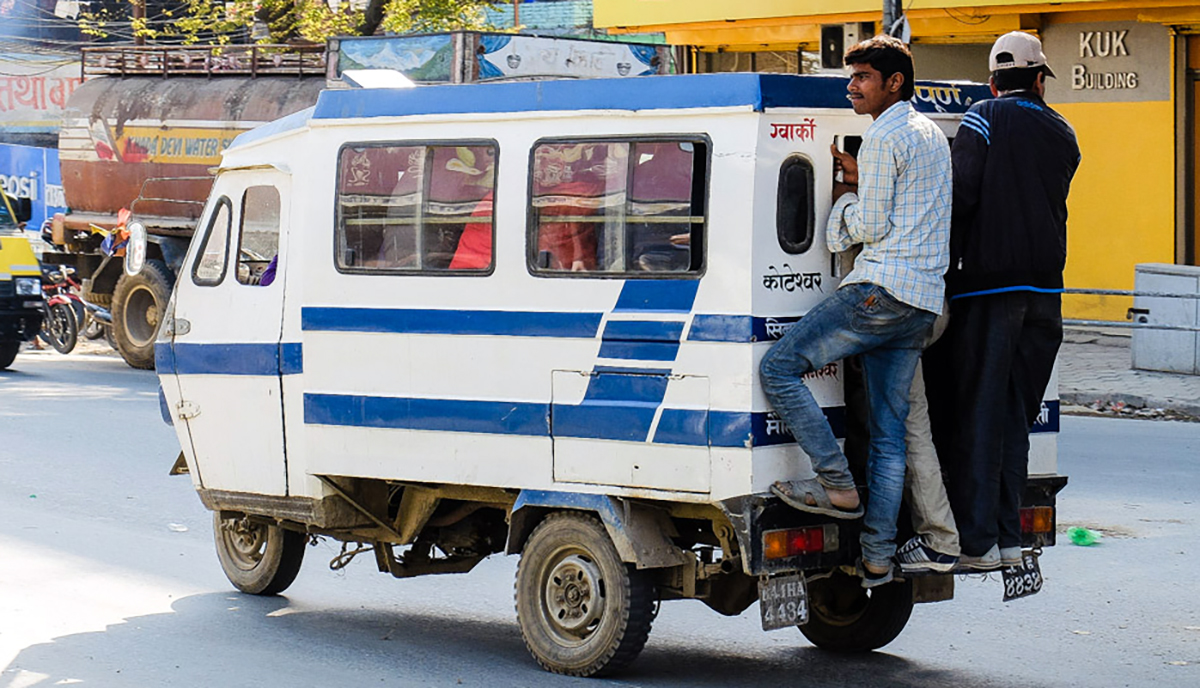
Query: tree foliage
point(219, 22)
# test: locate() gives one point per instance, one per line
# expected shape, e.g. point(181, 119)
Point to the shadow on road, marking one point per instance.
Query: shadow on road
point(220, 639)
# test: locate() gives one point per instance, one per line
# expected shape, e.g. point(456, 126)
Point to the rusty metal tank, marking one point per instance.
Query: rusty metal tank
point(118, 132)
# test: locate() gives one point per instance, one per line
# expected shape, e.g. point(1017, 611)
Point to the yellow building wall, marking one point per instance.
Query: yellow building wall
point(1121, 210)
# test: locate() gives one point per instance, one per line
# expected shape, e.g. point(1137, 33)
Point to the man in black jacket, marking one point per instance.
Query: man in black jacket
point(1013, 159)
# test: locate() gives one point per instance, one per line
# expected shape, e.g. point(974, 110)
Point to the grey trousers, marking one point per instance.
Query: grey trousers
point(923, 486)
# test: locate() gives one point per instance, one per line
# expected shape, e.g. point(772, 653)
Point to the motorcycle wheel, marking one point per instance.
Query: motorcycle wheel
point(59, 328)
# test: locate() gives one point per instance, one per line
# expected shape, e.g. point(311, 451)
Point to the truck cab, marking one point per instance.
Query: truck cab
point(527, 318)
point(20, 280)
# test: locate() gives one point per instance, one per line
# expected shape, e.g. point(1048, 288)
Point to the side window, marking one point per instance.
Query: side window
point(258, 237)
point(416, 208)
point(210, 265)
point(633, 208)
point(795, 215)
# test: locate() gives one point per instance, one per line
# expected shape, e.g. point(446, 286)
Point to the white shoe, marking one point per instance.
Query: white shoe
point(989, 561)
point(1011, 556)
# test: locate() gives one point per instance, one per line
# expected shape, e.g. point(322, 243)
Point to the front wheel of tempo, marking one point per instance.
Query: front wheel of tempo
point(844, 617)
point(258, 559)
point(8, 353)
point(582, 611)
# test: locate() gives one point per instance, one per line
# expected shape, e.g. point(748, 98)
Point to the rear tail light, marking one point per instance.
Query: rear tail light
point(780, 544)
point(1037, 520)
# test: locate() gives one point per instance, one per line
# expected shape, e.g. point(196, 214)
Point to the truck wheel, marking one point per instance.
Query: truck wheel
point(844, 617)
point(138, 304)
point(258, 559)
point(8, 353)
point(582, 611)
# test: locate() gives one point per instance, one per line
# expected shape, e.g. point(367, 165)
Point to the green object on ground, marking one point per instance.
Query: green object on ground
point(1083, 537)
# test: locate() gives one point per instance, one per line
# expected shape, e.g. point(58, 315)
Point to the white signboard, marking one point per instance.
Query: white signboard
point(33, 90)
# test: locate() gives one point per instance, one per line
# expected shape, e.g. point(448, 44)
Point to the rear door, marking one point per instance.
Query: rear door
point(226, 352)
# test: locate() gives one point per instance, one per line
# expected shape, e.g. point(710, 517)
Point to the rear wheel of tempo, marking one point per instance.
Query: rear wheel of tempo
point(59, 328)
point(138, 305)
point(258, 559)
point(8, 353)
point(844, 617)
point(582, 611)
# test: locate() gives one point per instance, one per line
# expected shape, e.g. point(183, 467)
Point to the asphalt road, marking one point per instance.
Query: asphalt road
point(108, 578)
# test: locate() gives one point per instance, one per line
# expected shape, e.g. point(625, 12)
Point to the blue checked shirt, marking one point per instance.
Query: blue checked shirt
point(901, 213)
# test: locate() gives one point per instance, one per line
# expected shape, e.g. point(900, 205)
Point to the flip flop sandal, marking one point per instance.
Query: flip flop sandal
point(798, 493)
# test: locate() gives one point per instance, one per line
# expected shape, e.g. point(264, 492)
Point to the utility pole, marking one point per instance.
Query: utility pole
point(517, 14)
point(893, 10)
point(139, 12)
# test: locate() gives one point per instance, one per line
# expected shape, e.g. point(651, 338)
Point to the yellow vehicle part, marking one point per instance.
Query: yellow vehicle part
point(17, 258)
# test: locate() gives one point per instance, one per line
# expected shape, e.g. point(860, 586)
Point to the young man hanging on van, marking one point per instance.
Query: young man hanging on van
point(900, 214)
point(1014, 158)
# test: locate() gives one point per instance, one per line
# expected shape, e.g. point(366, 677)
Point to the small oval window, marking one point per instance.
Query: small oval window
point(794, 211)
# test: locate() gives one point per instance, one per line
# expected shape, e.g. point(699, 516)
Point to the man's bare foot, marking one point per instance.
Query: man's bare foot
point(842, 499)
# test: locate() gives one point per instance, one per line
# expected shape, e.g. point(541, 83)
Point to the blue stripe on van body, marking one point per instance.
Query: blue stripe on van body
point(755, 91)
point(739, 328)
point(447, 415)
point(641, 340)
point(182, 358)
point(435, 321)
point(745, 429)
point(657, 296)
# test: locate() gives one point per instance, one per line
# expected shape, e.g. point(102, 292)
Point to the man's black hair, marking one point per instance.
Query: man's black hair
point(887, 55)
point(1015, 78)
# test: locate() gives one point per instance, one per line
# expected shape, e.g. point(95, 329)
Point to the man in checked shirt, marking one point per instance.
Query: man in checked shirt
point(895, 202)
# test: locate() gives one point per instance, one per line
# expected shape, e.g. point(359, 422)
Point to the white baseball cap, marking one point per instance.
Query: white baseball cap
point(1018, 49)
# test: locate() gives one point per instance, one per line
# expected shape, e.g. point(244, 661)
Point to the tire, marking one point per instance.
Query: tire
point(138, 303)
point(60, 329)
point(582, 611)
point(843, 617)
point(8, 353)
point(93, 329)
point(258, 559)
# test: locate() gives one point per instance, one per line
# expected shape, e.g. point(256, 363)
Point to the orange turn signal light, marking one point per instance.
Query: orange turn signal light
point(780, 544)
point(1037, 519)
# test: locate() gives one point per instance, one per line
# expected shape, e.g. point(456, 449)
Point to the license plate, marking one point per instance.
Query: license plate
point(1024, 580)
point(782, 601)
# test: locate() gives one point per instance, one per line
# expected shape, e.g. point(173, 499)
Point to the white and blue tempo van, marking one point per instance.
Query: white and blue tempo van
point(448, 322)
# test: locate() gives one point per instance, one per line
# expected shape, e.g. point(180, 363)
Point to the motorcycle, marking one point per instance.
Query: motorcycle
point(60, 324)
point(62, 294)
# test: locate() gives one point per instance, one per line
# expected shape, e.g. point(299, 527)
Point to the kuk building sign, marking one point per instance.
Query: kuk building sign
point(1107, 62)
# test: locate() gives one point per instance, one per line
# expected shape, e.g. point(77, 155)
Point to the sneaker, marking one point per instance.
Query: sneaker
point(915, 556)
point(989, 561)
point(1011, 556)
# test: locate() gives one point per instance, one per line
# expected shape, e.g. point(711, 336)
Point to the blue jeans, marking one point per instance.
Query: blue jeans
point(857, 319)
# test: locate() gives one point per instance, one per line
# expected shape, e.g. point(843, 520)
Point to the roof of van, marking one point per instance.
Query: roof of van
point(690, 91)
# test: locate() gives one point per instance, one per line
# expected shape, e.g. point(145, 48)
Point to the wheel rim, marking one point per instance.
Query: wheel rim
point(244, 542)
point(141, 316)
point(573, 597)
point(58, 328)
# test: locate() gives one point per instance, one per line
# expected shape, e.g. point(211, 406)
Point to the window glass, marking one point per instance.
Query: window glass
point(618, 207)
point(416, 208)
point(794, 211)
point(259, 237)
point(210, 266)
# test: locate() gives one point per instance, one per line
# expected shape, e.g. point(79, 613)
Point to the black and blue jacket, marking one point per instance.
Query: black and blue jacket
point(1014, 159)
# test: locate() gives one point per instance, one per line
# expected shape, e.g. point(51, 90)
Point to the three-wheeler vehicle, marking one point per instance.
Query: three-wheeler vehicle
point(445, 322)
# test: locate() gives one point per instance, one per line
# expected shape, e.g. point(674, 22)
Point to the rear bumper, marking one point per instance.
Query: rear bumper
point(753, 515)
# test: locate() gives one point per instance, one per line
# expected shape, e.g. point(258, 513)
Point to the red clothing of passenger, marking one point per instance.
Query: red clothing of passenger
point(474, 250)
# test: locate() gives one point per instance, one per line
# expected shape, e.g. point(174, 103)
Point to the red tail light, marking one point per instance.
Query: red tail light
point(780, 544)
